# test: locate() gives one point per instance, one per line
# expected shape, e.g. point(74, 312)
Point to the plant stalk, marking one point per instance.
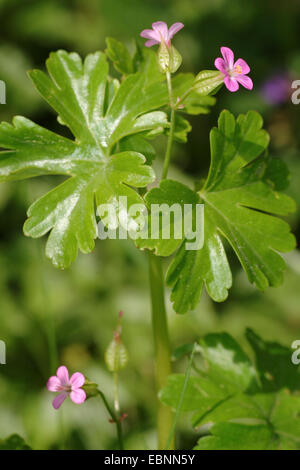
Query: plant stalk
point(116, 395)
point(159, 314)
point(172, 128)
point(115, 419)
point(162, 348)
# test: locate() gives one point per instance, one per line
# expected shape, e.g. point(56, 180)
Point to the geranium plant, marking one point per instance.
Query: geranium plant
point(114, 103)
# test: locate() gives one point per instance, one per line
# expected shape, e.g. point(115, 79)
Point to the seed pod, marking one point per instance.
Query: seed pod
point(116, 355)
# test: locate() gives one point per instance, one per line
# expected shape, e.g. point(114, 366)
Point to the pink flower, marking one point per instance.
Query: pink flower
point(235, 72)
point(67, 387)
point(160, 32)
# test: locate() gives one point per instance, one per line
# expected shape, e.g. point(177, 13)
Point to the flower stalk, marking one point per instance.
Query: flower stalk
point(114, 419)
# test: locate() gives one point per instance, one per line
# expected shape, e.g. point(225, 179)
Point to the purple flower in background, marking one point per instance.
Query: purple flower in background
point(276, 89)
point(160, 32)
point(235, 72)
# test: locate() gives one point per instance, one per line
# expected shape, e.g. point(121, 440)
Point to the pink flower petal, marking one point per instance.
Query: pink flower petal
point(244, 66)
point(228, 56)
point(151, 42)
point(63, 375)
point(54, 384)
point(162, 28)
point(174, 29)
point(57, 402)
point(78, 396)
point(150, 34)
point(245, 81)
point(220, 65)
point(231, 83)
point(77, 380)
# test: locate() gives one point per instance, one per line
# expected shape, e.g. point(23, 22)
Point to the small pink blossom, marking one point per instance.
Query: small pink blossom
point(67, 387)
point(235, 72)
point(160, 32)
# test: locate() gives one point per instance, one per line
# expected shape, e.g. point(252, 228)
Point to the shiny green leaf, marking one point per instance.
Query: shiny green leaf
point(239, 206)
point(100, 113)
point(119, 55)
point(167, 208)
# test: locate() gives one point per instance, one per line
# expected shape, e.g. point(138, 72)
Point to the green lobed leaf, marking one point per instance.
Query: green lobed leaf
point(239, 206)
point(100, 112)
point(277, 414)
point(201, 393)
point(196, 104)
point(119, 55)
point(235, 436)
point(227, 371)
point(231, 408)
point(277, 174)
point(227, 364)
point(140, 144)
point(163, 198)
point(274, 364)
point(181, 130)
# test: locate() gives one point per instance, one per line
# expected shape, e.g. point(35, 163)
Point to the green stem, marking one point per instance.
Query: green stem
point(114, 418)
point(170, 89)
point(180, 401)
point(169, 145)
point(162, 347)
point(159, 314)
point(182, 98)
point(172, 128)
point(116, 395)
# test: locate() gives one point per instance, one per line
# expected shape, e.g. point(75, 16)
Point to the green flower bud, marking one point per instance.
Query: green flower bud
point(175, 60)
point(169, 59)
point(163, 58)
point(90, 388)
point(208, 82)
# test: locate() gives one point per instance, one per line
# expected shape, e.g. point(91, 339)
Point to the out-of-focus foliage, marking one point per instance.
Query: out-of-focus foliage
point(48, 316)
point(236, 405)
point(13, 442)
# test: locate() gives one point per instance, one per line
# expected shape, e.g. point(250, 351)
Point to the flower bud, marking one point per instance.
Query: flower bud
point(207, 82)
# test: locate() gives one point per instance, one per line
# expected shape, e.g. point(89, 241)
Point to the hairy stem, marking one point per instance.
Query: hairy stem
point(169, 145)
point(159, 315)
point(162, 347)
point(180, 401)
point(116, 395)
point(172, 127)
point(185, 95)
point(115, 419)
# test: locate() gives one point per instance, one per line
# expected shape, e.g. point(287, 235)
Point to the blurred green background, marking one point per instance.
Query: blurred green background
point(50, 317)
